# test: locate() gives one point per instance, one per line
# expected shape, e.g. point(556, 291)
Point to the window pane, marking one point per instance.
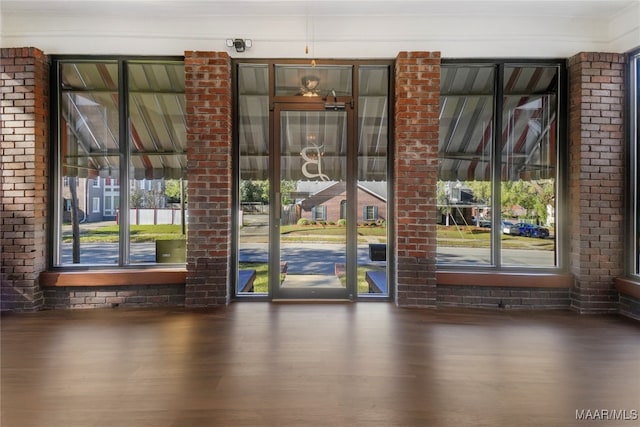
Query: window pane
point(635, 155)
point(253, 131)
point(89, 149)
point(157, 186)
point(373, 141)
point(321, 80)
point(528, 166)
point(464, 169)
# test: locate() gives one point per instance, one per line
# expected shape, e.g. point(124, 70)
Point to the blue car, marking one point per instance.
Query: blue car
point(532, 230)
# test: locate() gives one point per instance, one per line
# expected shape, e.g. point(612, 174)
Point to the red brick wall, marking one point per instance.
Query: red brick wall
point(113, 296)
point(596, 178)
point(208, 115)
point(494, 297)
point(417, 98)
point(364, 199)
point(24, 138)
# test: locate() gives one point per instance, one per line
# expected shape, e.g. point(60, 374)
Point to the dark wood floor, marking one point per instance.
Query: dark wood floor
point(366, 364)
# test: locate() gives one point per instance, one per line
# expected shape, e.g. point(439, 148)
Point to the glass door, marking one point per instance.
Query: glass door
point(312, 170)
point(311, 176)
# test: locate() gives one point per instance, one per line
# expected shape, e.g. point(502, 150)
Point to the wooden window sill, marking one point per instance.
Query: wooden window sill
point(167, 276)
point(164, 276)
point(509, 280)
point(628, 287)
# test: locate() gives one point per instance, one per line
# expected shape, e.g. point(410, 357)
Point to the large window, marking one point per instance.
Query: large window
point(498, 157)
point(634, 156)
point(120, 123)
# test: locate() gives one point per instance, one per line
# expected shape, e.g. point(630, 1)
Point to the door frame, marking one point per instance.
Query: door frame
point(353, 102)
point(318, 104)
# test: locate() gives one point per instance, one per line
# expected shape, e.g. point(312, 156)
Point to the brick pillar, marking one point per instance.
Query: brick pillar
point(208, 92)
point(24, 112)
point(417, 99)
point(596, 178)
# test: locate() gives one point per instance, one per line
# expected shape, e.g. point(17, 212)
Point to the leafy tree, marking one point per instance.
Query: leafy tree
point(286, 188)
point(443, 200)
point(136, 198)
point(251, 191)
point(534, 196)
point(172, 191)
point(481, 190)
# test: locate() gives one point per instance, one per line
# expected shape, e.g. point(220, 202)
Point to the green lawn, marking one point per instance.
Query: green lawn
point(329, 233)
point(138, 233)
point(476, 237)
point(449, 236)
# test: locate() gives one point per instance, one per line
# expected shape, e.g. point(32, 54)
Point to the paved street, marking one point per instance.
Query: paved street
point(312, 258)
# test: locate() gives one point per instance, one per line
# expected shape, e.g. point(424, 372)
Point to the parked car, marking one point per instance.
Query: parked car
point(532, 230)
point(510, 228)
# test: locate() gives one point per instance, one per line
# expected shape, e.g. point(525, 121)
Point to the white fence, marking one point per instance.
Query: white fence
point(155, 216)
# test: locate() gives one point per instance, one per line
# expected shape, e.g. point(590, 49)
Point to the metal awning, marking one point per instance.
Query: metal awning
point(528, 123)
point(90, 114)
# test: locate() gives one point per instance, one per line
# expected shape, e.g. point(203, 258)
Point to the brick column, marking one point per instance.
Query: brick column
point(596, 178)
point(208, 92)
point(24, 111)
point(417, 99)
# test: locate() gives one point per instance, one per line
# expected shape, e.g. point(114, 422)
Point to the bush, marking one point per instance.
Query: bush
point(303, 221)
point(342, 222)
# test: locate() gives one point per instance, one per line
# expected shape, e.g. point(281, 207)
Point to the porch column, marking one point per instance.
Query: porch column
point(417, 99)
point(596, 179)
point(24, 140)
point(209, 139)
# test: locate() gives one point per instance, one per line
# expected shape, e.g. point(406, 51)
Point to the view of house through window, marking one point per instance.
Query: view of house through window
point(497, 179)
point(100, 221)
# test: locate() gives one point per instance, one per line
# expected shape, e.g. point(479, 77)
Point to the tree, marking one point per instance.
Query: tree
point(136, 198)
point(251, 191)
point(286, 188)
point(443, 201)
point(534, 196)
point(481, 190)
point(172, 190)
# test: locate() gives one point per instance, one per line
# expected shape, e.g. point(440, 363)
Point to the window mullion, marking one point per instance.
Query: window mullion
point(125, 161)
point(496, 166)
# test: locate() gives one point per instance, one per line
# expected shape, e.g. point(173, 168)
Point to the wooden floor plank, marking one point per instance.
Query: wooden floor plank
point(262, 364)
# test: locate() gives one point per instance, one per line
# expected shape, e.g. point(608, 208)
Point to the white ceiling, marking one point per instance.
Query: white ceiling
point(346, 28)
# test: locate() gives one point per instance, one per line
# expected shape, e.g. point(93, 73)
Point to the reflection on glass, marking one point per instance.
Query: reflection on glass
point(371, 194)
point(321, 80)
point(313, 192)
point(92, 157)
point(526, 155)
point(254, 186)
point(90, 164)
point(464, 166)
point(635, 185)
point(157, 184)
point(529, 146)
